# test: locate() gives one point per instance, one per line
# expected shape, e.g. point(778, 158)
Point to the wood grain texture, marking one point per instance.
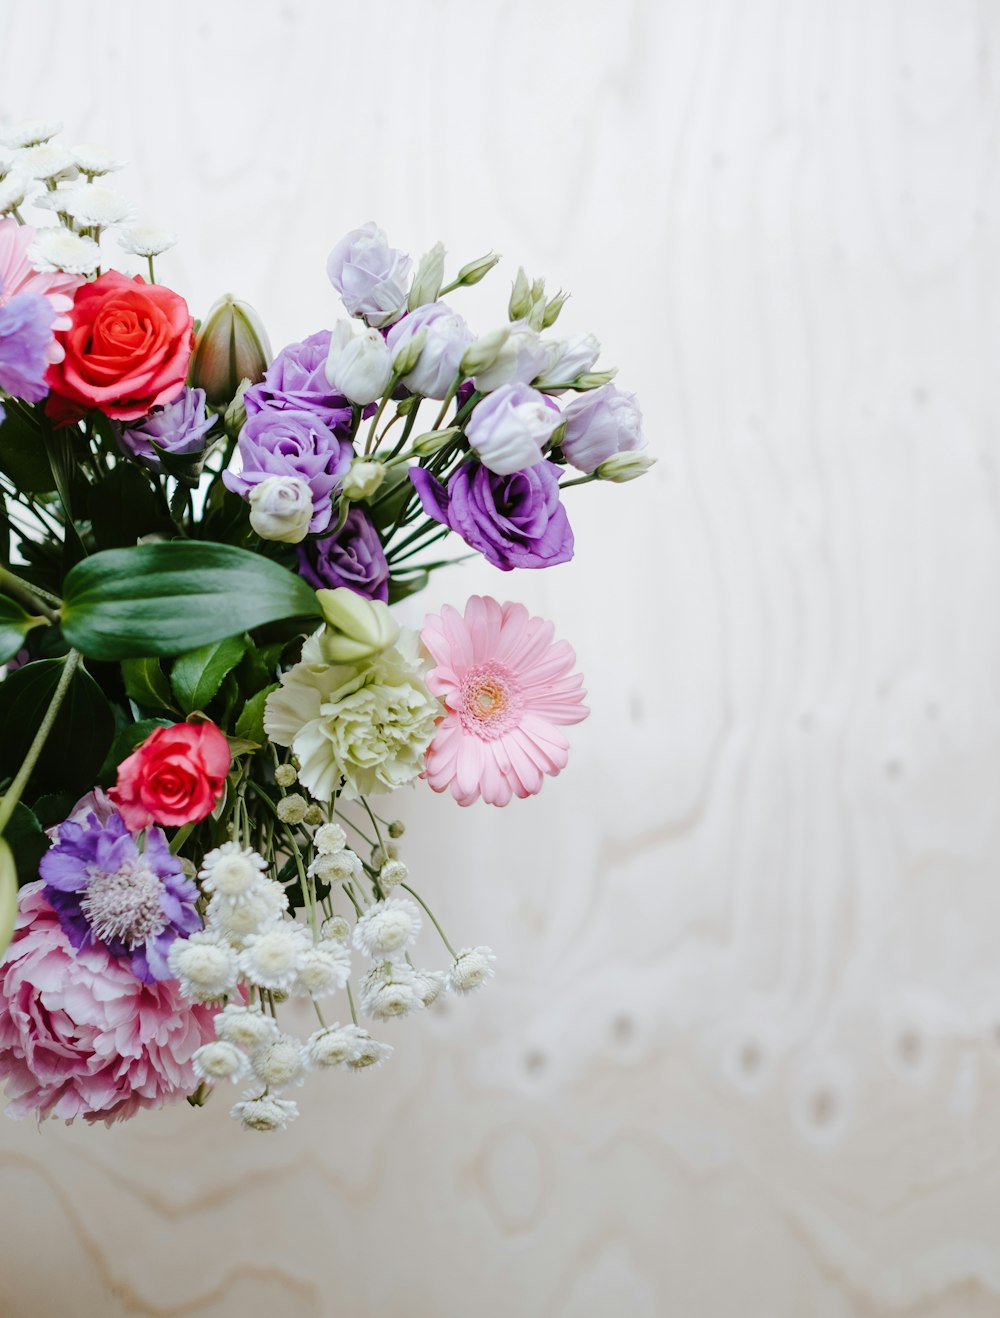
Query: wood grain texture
point(743, 1052)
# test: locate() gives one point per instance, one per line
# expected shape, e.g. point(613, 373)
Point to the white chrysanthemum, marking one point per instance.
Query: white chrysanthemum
point(13, 191)
point(336, 867)
point(264, 1112)
point(292, 809)
point(271, 959)
point(47, 161)
point(330, 838)
point(370, 1052)
point(143, 240)
point(335, 1045)
point(336, 927)
point(49, 201)
point(392, 874)
point(285, 775)
point(219, 1061)
point(204, 965)
point(247, 1027)
point(387, 991)
point(429, 985)
point(94, 159)
point(280, 1063)
point(29, 132)
point(58, 249)
point(232, 871)
point(93, 203)
point(261, 909)
point(323, 969)
point(471, 969)
point(388, 928)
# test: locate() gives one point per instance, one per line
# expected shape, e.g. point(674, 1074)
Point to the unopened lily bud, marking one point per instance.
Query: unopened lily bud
point(594, 379)
point(281, 508)
point(429, 278)
point(232, 346)
point(476, 270)
point(356, 627)
point(235, 416)
point(484, 351)
point(432, 441)
point(409, 354)
point(553, 308)
point(363, 479)
point(622, 467)
point(520, 297)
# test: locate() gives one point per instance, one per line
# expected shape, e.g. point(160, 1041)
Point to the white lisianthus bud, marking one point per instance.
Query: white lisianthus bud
point(363, 479)
point(433, 440)
point(281, 508)
point(359, 364)
point(409, 354)
point(595, 379)
point(521, 358)
point(357, 628)
point(509, 427)
point(476, 270)
point(552, 309)
point(428, 279)
point(520, 296)
point(569, 358)
point(483, 352)
point(622, 467)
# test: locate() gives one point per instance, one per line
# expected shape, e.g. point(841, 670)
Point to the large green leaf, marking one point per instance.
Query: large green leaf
point(197, 675)
point(169, 598)
point(15, 624)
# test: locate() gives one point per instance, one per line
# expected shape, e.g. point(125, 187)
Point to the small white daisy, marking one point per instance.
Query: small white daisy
point(93, 159)
point(95, 204)
point(370, 1052)
point(429, 985)
point(271, 959)
point(329, 838)
point(232, 871)
point(29, 132)
point(392, 874)
point(247, 1027)
point(336, 867)
point(280, 1063)
point(292, 809)
point(388, 928)
point(471, 969)
point(263, 1112)
point(336, 1045)
point(58, 249)
point(47, 161)
point(14, 189)
point(205, 966)
point(257, 911)
point(285, 775)
point(387, 991)
point(323, 969)
point(336, 927)
point(219, 1061)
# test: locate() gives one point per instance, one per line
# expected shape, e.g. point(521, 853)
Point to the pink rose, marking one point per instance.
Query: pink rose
point(175, 777)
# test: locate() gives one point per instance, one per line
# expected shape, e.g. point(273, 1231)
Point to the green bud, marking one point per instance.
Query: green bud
point(428, 279)
point(235, 417)
point(484, 352)
point(536, 312)
point(408, 356)
point(232, 346)
point(406, 405)
point(622, 467)
point(396, 828)
point(363, 479)
point(8, 895)
point(553, 308)
point(476, 270)
point(426, 444)
point(594, 379)
point(356, 628)
point(520, 296)
point(556, 438)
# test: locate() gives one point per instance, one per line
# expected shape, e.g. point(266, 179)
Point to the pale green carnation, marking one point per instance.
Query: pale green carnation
point(365, 726)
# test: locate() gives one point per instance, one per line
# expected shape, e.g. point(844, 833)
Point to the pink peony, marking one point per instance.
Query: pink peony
point(18, 275)
point(80, 1035)
point(506, 687)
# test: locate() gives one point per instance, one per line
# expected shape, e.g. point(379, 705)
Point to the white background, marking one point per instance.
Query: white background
point(742, 1056)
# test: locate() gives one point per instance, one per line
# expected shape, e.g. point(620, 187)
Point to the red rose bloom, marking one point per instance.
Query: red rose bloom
point(175, 777)
point(126, 351)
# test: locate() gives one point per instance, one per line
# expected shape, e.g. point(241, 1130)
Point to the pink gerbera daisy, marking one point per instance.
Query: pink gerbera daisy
point(18, 275)
point(506, 686)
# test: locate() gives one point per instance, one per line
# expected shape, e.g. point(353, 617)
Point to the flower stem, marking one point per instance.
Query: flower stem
point(444, 938)
point(29, 594)
point(13, 794)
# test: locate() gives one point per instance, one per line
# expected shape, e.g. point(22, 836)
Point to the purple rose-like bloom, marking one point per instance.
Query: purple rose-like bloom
point(105, 890)
point(296, 381)
point(288, 443)
point(25, 336)
point(513, 521)
point(179, 427)
point(353, 558)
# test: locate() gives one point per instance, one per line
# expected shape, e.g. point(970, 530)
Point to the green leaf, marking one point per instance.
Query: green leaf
point(197, 675)
point(123, 507)
point(168, 598)
point(125, 743)
point(26, 840)
point(80, 736)
point(250, 724)
point(401, 587)
point(64, 465)
point(22, 453)
point(146, 683)
point(15, 624)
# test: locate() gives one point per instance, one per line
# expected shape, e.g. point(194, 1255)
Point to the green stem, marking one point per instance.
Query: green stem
point(29, 594)
point(416, 896)
point(13, 795)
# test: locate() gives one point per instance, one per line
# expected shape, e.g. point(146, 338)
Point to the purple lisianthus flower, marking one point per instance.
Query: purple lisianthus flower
point(105, 890)
point(179, 427)
point(446, 337)
point(25, 336)
point(599, 424)
point(353, 558)
point(289, 443)
point(296, 381)
point(513, 521)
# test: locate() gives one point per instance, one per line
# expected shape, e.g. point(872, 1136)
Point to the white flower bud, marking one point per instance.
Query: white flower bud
point(476, 270)
point(363, 479)
point(519, 360)
point(428, 279)
point(483, 352)
point(520, 296)
point(569, 358)
point(281, 508)
point(433, 440)
point(622, 467)
point(359, 364)
point(285, 775)
point(292, 809)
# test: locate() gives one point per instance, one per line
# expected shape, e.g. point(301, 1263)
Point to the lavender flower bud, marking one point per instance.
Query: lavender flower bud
point(281, 508)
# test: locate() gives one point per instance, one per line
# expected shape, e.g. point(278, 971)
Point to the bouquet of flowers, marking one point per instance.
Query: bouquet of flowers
point(206, 696)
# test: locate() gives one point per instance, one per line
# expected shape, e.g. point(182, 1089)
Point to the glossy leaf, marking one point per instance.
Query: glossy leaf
point(15, 624)
point(146, 683)
point(250, 724)
point(197, 675)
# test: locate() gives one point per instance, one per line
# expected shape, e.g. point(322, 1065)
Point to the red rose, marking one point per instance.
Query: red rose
point(175, 777)
point(127, 350)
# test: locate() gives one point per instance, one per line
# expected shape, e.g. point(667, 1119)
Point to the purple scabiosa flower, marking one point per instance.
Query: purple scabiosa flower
point(25, 338)
point(106, 891)
point(513, 521)
point(289, 443)
point(353, 558)
point(178, 428)
point(296, 381)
